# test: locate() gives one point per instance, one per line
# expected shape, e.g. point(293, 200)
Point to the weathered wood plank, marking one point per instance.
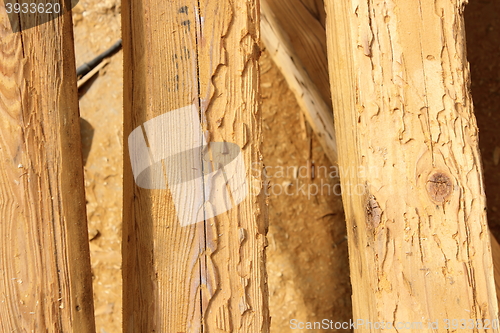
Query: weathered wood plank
point(414, 200)
point(45, 277)
point(191, 74)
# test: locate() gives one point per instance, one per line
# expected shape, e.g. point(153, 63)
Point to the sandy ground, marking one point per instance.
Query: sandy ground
point(97, 27)
point(307, 253)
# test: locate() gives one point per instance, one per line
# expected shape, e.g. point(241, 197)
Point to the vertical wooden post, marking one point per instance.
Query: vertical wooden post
point(191, 78)
point(45, 278)
point(411, 174)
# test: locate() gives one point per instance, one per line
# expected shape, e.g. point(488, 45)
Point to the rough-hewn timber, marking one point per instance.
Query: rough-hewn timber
point(411, 173)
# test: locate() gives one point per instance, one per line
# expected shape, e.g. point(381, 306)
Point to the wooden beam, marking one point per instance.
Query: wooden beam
point(300, 30)
point(45, 279)
point(191, 78)
point(303, 63)
point(410, 166)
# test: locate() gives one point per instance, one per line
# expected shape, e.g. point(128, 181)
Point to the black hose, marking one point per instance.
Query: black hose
point(88, 66)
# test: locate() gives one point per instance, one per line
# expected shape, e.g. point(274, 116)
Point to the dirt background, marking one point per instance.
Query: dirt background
point(307, 254)
point(482, 24)
point(96, 27)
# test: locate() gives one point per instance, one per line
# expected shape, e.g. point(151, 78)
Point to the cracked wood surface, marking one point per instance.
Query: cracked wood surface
point(418, 240)
point(208, 276)
point(45, 278)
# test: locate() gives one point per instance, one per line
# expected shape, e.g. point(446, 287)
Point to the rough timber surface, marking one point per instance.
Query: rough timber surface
point(45, 280)
point(208, 275)
point(419, 244)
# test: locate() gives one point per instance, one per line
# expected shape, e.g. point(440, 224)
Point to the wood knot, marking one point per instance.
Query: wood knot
point(439, 186)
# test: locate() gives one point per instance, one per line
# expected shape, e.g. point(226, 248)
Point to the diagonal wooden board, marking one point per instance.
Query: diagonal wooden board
point(299, 50)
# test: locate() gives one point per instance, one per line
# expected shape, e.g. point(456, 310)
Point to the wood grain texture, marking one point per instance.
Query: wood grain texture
point(316, 8)
point(300, 69)
point(45, 277)
point(414, 200)
point(208, 276)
